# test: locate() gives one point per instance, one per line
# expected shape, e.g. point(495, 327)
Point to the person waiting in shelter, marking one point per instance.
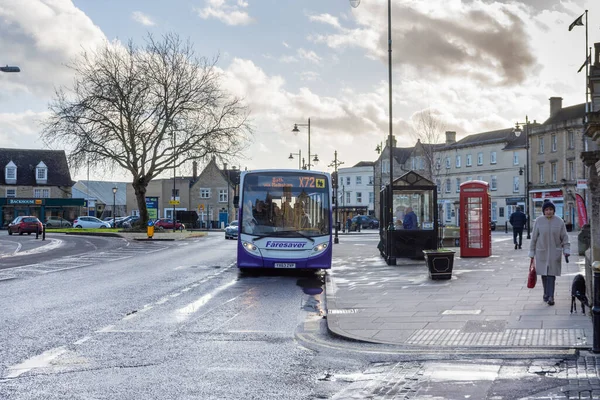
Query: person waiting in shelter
point(410, 219)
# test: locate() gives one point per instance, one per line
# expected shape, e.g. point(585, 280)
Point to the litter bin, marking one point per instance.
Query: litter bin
point(150, 230)
point(583, 239)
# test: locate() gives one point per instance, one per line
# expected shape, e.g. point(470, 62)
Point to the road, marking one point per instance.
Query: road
point(161, 320)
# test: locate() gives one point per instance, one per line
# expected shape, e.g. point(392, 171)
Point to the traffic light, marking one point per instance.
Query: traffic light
point(10, 69)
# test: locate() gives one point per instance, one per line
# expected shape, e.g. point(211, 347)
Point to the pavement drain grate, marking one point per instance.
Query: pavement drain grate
point(343, 311)
point(504, 338)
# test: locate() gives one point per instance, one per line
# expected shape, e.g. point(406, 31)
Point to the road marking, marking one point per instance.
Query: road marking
point(40, 361)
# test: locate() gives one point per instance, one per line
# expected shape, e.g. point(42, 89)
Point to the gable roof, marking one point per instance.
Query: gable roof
point(567, 113)
point(364, 164)
point(27, 160)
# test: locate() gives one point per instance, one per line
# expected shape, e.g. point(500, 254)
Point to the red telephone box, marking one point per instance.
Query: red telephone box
point(475, 218)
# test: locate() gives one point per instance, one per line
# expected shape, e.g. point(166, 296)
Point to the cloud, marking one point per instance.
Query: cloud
point(230, 14)
point(309, 55)
point(142, 18)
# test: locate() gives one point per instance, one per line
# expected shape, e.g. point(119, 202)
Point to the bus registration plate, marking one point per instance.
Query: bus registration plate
point(285, 265)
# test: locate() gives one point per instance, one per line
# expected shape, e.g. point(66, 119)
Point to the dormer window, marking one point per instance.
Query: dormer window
point(41, 173)
point(10, 173)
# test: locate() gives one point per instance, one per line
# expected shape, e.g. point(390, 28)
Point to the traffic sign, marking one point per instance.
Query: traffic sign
point(201, 207)
point(174, 202)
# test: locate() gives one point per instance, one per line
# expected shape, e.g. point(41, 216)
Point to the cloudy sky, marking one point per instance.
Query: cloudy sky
point(478, 65)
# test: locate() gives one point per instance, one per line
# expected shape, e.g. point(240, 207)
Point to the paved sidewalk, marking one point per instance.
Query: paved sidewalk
point(485, 304)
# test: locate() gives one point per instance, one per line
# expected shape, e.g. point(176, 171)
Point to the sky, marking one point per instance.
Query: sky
point(477, 65)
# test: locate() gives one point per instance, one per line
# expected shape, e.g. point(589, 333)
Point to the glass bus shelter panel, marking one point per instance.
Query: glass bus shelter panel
point(474, 223)
point(421, 203)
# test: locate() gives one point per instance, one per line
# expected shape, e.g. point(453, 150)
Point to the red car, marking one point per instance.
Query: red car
point(25, 224)
point(165, 223)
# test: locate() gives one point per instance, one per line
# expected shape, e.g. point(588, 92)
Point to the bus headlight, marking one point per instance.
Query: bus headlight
point(319, 248)
point(251, 248)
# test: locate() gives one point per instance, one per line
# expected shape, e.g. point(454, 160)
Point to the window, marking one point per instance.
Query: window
point(11, 192)
point(438, 183)
point(371, 197)
point(457, 161)
point(571, 136)
point(571, 170)
point(492, 157)
point(448, 185)
point(448, 163)
point(493, 182)
point(348, 180)
point(358, 197)
point(175, 194)
point(457, 185)
point(541, 172)
point(494, 211)
point(205, 193)
point(359, 180)
point(222, 195)
point(370, 180)
point(448, 212)
point(438, 163)
point(469, 160)
point(515, 158)
point(541, 142)
point(385, 166)
point(501, 212)
point(553, 142)
point(348, 197)
point(479, 158)
point(469, 178)
point(553, 171)
point(479, 177)
point(41, 173)
point(341, 182)
point(10, 173)
point(515, 184)
point(41, 193)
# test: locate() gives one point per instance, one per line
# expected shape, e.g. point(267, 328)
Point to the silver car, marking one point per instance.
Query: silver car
point(90, 222)
point(231, 230)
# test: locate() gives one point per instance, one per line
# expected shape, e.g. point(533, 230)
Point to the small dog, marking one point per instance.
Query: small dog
point(578, 292)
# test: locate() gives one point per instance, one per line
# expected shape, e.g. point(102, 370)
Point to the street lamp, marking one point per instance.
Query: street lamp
point(115, 188)
point(174, 188)
point(10, 69)
point(518, 132)
point(300, 159)
point(296, 130)
point(335, 164)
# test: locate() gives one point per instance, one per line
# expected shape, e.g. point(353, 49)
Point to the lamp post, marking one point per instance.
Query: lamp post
point(518, 132)
point(10, 69)
point(296, 130)
point(335, 164)
point(389, 209)
point(114, 205)
point(174, 187)
point(300, 159)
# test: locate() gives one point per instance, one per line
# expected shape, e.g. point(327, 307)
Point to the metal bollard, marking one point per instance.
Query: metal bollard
point(37, 232)
point(44, 233)
point(596, 307)
point(506, 227)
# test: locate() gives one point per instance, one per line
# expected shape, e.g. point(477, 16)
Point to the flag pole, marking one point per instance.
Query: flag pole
point(586, 62)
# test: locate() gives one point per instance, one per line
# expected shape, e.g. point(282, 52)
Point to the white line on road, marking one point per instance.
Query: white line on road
point(39, 361)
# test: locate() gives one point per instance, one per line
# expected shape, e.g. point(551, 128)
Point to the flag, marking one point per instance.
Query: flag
point(587, 61)
point(578, 21)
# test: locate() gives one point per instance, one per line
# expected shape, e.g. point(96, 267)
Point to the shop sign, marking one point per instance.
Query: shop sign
point(582, 184)
point(549, 194)
point(24, 201)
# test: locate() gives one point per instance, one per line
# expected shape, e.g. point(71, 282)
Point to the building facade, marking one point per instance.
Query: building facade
point(355, 190)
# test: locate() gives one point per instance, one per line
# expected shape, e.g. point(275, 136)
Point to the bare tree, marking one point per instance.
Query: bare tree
point(146, 110)
point(429, 133)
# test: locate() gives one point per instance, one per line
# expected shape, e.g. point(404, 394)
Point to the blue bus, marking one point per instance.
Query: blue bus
point(284, 220)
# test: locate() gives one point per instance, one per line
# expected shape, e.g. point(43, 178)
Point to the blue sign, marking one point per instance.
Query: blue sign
point(152, 207)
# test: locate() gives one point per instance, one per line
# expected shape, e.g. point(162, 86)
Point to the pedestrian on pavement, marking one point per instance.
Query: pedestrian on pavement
point(518, 220)
point(549, 240)
point(348, 224)
point(410, 219)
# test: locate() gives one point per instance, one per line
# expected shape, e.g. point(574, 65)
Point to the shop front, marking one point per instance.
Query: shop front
point(12, 207)
point(554, 195)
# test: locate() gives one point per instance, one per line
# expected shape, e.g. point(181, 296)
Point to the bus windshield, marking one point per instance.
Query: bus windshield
point(290, 203)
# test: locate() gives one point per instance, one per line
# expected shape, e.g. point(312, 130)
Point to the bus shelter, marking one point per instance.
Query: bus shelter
point(410, 224)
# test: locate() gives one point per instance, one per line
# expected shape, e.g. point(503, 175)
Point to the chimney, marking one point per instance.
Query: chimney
point(555, 105)
point(387, 141)
point(195, 170)
point(450, 137)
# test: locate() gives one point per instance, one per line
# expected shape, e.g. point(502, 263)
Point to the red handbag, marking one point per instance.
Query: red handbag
point(532, 277)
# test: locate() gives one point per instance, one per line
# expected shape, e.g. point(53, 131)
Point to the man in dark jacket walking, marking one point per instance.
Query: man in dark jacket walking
point(518, 220)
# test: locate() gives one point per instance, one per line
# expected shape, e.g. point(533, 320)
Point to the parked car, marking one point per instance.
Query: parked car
point(128, 222)
point(90, 222)
point(365, 222)
point(231, 230)
point(25, 224)
point(493, 225)
point(58, 222)
point(167, 223)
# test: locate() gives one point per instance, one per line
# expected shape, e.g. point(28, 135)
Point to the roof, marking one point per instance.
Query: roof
point(498, 136)
point(102, 191)
point(27, 160)
point(402, 154)
point(364, 164)
point(567, 113)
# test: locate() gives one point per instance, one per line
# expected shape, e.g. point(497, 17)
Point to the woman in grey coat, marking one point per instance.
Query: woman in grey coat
point(549, 241)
